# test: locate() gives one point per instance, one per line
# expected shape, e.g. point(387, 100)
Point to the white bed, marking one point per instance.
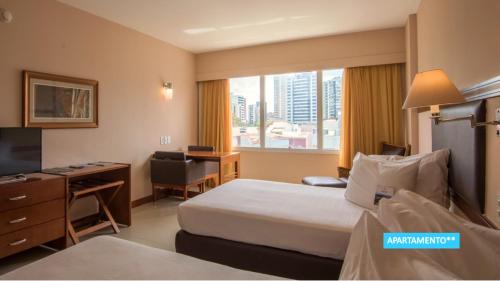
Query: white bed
point(311, 220)
point(106, 257)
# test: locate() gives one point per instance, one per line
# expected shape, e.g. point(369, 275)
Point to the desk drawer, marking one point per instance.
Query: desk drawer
point(24, 194)
point(28, 216)
point(30, 237)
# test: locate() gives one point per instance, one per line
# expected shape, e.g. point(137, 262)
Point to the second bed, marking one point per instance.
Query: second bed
point(297, 231)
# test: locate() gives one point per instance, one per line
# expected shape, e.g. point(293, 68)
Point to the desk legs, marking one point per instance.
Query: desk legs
point(221, 172)
point(236, 168)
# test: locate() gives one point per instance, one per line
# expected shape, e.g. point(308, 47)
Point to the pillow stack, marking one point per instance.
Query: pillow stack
point(369, 176)
point(425, 174)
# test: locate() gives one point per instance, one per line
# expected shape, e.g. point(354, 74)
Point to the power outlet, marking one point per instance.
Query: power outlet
point(165, 140)
point(497, 118)
point(498, 206)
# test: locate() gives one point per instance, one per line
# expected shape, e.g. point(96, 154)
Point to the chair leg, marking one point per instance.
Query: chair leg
point(201, 186)
point(186, 189)
point(154, 192)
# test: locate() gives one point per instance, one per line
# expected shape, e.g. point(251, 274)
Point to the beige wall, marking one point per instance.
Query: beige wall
point(462, 37)
point(285, 166)
point(48, 36)
point(411, 69)
point(424, 132)
point(355, 49)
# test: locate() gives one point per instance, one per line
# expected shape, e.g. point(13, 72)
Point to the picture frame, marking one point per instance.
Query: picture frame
point(56, 102)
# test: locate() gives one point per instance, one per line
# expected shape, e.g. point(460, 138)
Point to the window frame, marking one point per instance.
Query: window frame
point(319, 119)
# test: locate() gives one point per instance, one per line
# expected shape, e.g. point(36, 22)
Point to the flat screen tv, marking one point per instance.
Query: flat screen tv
point(20, 151)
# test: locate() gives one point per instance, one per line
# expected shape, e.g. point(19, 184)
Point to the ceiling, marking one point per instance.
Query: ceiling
point(209, 25)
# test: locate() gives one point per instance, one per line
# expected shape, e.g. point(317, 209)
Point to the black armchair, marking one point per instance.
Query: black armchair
point(172, 170)
point(211, 168)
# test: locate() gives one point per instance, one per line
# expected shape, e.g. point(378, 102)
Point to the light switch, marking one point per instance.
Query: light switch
point(165, 139)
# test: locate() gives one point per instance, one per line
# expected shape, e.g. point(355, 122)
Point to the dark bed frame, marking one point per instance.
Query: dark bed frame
point(467, 189)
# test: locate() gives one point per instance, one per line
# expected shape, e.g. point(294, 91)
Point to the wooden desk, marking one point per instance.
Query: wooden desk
point(120, 207)
point(223, 158)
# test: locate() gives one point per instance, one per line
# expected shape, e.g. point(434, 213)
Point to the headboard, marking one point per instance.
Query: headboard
point(467, 159)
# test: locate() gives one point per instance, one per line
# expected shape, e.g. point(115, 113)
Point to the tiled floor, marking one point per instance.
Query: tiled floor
point(152, 224)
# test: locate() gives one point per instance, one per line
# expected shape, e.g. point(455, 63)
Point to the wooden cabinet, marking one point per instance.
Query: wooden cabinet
point(32, 213)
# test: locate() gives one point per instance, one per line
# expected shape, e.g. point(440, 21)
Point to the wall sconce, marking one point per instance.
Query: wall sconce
point(168, 90)
point(5, 16)
point(433, 88)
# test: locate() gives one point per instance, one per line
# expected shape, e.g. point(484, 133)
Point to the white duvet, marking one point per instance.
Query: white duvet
point(478, 256)
point(109, 258)
point(307, 219)
point(368, 260)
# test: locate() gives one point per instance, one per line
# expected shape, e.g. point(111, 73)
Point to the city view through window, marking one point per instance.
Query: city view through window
point(291, 110)
point(245, 108)
point(332, 108)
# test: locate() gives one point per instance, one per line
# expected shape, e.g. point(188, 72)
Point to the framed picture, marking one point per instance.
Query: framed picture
point(55, 101)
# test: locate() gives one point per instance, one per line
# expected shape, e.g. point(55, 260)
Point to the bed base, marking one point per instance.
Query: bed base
point(262, 259)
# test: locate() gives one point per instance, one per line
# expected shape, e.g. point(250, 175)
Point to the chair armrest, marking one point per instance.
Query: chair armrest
point(176, 172)
point(195, 171)
point(167, 171)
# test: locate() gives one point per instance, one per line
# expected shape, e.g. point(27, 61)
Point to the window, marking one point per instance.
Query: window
point(300, 110)
point(332, 108)
point(291, 115)
point(245, 110)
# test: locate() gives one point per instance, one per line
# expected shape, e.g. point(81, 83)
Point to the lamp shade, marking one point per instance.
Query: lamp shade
point(432, 88)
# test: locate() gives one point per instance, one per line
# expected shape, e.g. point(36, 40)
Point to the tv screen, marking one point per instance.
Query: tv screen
point(20, 151)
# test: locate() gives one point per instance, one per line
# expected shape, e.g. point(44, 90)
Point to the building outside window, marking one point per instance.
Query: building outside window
point(245, 108)
point(290, 108)
point(332, 108)
point(291, 116)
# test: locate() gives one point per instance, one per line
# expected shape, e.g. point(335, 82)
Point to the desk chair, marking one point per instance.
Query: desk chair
point(211, 168)
point(171, 170)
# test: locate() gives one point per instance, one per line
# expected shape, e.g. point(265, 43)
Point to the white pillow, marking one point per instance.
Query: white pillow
point(369, 177)
point(432, 180)
point(479, 253)
point(367, 259)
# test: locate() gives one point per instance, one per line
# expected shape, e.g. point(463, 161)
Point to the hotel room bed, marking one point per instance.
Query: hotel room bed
point(302, 232)
point(106, 257)
point(304, 229)
point(314, 220)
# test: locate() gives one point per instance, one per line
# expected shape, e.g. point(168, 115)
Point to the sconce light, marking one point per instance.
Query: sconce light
point(433, 88)
point(168, 90)
point(5, 16)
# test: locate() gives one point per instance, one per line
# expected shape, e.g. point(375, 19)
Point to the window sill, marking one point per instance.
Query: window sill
point(284, 150)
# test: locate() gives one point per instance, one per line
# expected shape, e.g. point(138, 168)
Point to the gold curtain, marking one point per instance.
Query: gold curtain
point(216, 115)
point(371, 110)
